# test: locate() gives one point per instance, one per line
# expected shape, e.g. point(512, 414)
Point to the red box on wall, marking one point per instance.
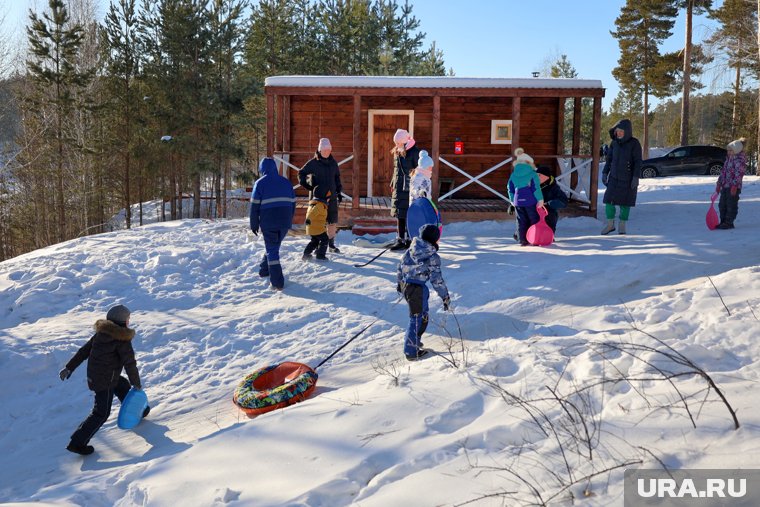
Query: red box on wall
point(458, 147)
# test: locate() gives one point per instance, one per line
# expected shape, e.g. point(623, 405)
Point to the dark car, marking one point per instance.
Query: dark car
point(685, 160)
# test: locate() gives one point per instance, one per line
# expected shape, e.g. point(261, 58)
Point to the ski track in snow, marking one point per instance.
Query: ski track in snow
point(377, 427)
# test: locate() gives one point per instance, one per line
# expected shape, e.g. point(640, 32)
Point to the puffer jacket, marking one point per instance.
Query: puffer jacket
point(524, 187)
point(733, 170)
point(622, 168)
point(421, 264)
point(401, 182)
point(321, 177)
point(107, 353)
point(273, 201)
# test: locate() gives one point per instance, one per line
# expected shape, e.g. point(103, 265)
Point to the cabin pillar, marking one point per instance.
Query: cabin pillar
point(357, 147)
point(560, 130)
point(595, 144)
point(515, 123)
point(270, 125)
point(577, 116)
point(436, 144)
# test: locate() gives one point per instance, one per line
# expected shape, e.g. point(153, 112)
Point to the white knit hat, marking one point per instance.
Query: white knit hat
point(522, 158)
point(736, 146)
point(324, 144)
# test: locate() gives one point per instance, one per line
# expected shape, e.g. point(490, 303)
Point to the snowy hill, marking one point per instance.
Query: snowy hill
point(538, 325)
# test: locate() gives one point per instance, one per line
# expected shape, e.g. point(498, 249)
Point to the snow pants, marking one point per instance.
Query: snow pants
point(100, 412)
point(318, 243)
point(416, 296)
point(526, 216)
point(728, 206)
point(270, 264)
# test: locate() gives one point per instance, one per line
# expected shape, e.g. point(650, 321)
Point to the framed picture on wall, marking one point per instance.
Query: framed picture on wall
point(501, 131)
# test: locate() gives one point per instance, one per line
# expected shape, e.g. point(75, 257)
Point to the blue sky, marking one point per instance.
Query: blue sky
point(506, 38)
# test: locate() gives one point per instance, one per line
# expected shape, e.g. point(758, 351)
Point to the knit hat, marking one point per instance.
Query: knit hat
point(401, 136)
point(324, 144)
point(523, 158)
point(424, 161)
point(431, 234)
point(542, 169)
point(736, 146)
point(119, 314)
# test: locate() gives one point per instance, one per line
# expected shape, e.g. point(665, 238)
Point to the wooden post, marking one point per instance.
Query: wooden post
point(576, 137)
point(560, 130)
point(286, 120)
point(515, 123)
point(278, 134)
point(436, 147)
point(270, 125)
point(595, 144)
point(357, 146)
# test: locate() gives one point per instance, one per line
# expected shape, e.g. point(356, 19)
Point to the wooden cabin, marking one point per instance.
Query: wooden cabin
point(469, 126)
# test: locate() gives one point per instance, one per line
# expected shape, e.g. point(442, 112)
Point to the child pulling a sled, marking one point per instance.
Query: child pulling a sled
point(107, 353)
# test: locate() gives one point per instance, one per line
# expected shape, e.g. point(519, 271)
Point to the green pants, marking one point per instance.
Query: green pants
point(609, 210)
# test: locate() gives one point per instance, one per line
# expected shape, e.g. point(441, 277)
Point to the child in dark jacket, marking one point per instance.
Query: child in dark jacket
point(418, 265)
point(107, 353)
point(524, 190)
point(273, 204)
point(554, 197)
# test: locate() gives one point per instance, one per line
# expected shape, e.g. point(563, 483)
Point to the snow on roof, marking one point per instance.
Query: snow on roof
point(428, 82)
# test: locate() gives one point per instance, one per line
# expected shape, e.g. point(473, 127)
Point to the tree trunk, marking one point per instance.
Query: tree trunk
point(197, 195)
point(735, 112)
point(645, 134)
point(687, 75)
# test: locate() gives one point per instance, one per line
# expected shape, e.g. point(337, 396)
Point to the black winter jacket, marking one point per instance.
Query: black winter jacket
point(622, 168)
point(402, 170)
point(321, 177)
point(107, 352)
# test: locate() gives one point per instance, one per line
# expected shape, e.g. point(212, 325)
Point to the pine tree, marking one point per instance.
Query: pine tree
point(736, 38)
point(54, 46)
point(692, 7)
point(641, 27)
point(121, 68)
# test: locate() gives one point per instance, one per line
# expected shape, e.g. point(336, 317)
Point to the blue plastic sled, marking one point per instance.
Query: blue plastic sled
point(130, 413)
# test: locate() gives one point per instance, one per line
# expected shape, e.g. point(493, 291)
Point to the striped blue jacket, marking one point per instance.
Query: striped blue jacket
point(273, 201)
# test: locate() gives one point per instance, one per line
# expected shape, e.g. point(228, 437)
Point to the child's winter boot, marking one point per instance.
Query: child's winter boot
point(609, 227)
point(332, 247)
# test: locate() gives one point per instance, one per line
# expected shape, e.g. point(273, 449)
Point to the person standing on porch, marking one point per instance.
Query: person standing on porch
point(622, 170)
point(405, 156)
point(322, 173)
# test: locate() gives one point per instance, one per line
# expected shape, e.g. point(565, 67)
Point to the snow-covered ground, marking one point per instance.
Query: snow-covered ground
point(380, 431)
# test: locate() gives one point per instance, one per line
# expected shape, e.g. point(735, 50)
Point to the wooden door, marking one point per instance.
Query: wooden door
point(384, 126)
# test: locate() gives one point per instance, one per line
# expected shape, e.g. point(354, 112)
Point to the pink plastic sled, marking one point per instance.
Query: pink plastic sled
point(540, 234)
point(712, 219)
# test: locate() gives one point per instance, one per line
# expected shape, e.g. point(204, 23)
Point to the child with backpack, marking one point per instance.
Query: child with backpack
point(107, 353)
point(524, 190)
point(420, 264)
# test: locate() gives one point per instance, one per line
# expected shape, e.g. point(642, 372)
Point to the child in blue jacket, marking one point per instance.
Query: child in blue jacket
point(419, 264)
point(524, 190)
point(273, 204)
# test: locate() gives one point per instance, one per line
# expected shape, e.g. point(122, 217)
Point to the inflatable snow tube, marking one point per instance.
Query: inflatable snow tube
point(274, 386)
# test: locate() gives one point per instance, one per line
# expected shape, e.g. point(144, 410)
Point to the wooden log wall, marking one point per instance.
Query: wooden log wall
point(467, 118)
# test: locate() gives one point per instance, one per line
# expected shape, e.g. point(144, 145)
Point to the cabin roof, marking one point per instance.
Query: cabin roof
point(430, 82)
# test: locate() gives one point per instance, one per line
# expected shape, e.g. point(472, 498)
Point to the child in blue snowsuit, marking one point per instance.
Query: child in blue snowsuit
point(273, 204)
point(419, 264)
point(524, 190)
